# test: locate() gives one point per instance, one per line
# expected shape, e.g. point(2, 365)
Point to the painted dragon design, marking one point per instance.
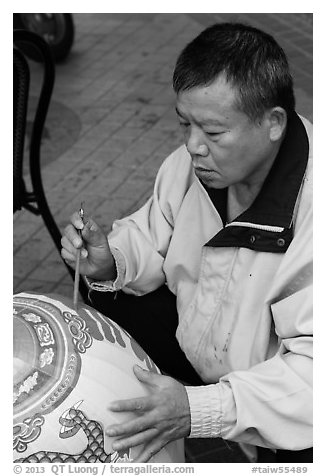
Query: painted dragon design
point(72, 421)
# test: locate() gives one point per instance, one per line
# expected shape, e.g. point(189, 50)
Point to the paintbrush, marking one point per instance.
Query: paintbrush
point(77, 274)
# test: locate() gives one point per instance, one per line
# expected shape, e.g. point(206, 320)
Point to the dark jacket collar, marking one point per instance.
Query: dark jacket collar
point(275, 203)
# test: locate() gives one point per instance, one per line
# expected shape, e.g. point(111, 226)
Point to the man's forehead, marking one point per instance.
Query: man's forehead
point(209, 104)
point(205, 118)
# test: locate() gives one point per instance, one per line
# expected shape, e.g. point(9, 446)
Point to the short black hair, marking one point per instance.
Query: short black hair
point(251, 60)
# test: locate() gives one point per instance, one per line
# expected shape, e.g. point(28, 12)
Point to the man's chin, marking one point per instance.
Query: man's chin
point(210, 180)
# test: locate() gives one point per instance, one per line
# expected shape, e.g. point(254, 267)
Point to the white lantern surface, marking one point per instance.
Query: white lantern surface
point(68, 367)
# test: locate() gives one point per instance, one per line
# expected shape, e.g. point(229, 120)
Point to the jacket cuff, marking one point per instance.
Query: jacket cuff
point(205, 411)
point(110, 286)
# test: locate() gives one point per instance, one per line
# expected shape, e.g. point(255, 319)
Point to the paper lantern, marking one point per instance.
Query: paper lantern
point(68, 367)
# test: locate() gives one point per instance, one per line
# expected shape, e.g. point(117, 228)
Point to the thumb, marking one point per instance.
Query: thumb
point(93, 234)
point(144, 376)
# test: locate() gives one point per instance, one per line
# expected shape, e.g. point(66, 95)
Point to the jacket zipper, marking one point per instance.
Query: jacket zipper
point(276, 229)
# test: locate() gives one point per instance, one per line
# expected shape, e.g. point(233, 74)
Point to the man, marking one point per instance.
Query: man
point(215, 269)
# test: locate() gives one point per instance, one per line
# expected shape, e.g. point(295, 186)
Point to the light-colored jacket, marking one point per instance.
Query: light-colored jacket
point(243, 294)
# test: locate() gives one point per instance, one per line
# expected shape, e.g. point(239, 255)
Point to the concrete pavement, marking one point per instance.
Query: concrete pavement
point(112, 122)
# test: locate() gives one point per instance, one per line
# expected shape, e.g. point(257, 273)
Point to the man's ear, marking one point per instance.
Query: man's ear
point(278, 121)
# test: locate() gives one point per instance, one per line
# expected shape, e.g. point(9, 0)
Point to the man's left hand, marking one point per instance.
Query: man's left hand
point(160, 417)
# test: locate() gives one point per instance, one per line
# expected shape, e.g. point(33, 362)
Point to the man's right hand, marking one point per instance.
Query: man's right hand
point(96, 260)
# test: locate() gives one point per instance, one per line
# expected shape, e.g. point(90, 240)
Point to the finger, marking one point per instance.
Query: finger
point(149, 450)
point(72, 236)
point(77, 221)
point(135, 440)
point(69, 257)
point(136, 425)
point(69, 252)
point(94, 235)
point(68, 246)
point(145, 376)
point(133, 405)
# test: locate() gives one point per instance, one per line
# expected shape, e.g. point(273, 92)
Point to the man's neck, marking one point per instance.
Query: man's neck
point(242, 195)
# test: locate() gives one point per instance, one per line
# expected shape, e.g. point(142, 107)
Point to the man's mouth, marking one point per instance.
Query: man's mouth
point(202, 170)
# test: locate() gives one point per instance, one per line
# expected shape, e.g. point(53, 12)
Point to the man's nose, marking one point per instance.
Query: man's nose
point(195, 142)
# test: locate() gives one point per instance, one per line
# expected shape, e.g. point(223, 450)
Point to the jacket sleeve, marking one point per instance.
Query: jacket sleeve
point(142, 239)
point(270, 404)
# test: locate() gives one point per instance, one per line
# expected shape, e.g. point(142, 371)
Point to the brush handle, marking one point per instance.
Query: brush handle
point(77, 273)
point(76, 280)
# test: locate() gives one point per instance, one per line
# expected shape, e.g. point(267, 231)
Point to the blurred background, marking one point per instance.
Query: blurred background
point(111, 121)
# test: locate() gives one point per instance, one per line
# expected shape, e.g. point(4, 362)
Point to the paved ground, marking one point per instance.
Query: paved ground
point(112, 122)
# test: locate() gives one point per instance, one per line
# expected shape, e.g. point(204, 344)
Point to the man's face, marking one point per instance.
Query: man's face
point(226, 147)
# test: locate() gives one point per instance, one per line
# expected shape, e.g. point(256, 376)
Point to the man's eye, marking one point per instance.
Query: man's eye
point(184, 124)
point(213, 133)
